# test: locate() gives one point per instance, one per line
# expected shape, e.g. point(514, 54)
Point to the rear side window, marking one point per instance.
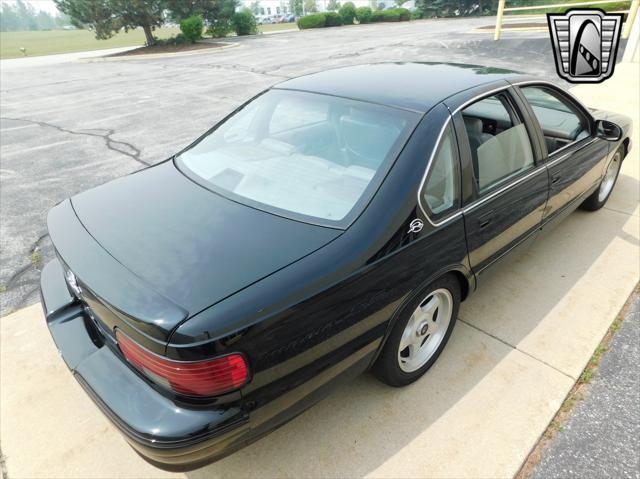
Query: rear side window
point(500, 145)
point(560, 121)
point(441, 191)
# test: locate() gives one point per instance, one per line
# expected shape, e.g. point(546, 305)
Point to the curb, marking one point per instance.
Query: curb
point(147, 56)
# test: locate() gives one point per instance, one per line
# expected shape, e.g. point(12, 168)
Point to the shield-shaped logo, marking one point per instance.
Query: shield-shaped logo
point(585, 43)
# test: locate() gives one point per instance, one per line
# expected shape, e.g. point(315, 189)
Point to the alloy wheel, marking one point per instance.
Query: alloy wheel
point(425, 330)
point(609, 178)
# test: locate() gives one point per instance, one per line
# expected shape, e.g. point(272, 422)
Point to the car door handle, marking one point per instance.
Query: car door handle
point(485, 220)
point(555, 179)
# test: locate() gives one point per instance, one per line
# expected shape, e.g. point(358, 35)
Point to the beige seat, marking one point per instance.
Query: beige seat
point(503, 155)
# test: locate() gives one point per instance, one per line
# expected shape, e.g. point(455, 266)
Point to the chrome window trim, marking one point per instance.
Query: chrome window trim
point(479, 97)
point(555, 87)
point(551, 162)
point(457, 212)
point(571, 96)
point(534, 171)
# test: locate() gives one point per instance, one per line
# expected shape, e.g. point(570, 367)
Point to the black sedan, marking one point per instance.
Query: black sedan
point(330, 225)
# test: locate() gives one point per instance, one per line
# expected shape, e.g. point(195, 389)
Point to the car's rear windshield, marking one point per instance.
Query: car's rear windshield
point(310, 157)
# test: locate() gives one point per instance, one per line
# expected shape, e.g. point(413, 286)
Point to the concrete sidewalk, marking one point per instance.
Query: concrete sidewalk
point(520, 345)
point(38, 61)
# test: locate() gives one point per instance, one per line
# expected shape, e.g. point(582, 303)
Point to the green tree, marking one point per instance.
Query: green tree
point(217, 13)
point(9, 18)
point(20, 16)
point(310, 6)
point(45, 21)
point(108, 17)
point(295, 7)
point(401, 2)
point(333, 5)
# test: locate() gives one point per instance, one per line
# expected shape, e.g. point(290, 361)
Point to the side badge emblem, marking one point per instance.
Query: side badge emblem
point(415, 226)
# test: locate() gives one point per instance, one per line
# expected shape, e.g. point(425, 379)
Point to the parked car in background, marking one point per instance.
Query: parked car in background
point(328, 226)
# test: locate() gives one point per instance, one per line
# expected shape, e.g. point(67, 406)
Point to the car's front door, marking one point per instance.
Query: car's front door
point(509, 184)
point(574, 156)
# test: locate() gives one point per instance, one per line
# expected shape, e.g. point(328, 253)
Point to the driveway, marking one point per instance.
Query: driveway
point(70, 126)
point(517, 350)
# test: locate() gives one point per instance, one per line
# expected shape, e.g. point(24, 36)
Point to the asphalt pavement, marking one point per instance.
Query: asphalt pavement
point(519, 346)
point(68, 124)
point(601, 438)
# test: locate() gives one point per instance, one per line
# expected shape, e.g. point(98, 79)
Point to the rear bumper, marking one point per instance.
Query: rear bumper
point(165, 432)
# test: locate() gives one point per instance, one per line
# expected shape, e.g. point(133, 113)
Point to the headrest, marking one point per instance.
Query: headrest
point(473, 125)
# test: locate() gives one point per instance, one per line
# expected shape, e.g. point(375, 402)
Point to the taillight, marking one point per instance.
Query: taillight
point(199, 378)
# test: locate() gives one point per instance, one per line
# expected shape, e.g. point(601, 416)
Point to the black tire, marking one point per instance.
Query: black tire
point(594, 202)
point(387, 367)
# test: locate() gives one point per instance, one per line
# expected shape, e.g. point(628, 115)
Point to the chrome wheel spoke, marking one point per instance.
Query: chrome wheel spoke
point(425, 330)
point(609, 178)
point(407, 339)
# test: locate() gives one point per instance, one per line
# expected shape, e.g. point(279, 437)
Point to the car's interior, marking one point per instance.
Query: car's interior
point(499, 142)
point(309, 154)
point(561, 123)
point(440, 192)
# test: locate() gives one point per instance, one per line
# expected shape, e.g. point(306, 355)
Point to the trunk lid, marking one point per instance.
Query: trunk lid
point(181, 247)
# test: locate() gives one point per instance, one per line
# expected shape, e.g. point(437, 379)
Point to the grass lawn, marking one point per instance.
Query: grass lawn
point(272, 27)
point(65, 41)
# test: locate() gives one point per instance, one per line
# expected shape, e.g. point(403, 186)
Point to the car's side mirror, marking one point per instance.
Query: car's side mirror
point(608, 131)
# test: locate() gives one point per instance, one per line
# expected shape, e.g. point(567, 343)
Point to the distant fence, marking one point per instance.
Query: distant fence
point(631, 13)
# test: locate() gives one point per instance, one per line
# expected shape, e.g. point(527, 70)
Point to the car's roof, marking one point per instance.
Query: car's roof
point(411, 86)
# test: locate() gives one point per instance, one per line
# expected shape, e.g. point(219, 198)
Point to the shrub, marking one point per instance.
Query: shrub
point(377, 16)
point(179, 39)
point(220, 27)
point(391, 15)
point(363, 14)
point(315, 20)
point(405, 14)
point(192, 28)
point(416, 15)
point(244, 23)
point(332, 19)
point(348, 13)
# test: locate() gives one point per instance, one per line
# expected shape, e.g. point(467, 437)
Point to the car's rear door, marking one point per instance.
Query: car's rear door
point(572, 153)
point(508, 183)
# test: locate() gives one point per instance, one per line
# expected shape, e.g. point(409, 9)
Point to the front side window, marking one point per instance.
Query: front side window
point(560, 121)
point(303, 155)
point(500, 145)
point(441, 189)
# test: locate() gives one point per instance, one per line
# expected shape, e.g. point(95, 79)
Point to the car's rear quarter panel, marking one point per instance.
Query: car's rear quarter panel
point(325, 317)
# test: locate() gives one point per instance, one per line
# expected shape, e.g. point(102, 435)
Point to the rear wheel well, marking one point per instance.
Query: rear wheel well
point(464, 284)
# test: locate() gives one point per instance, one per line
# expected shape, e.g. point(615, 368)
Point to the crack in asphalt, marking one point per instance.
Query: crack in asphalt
point(14, 280)
point(18, 280)
point(110, 143)
point(244, 68)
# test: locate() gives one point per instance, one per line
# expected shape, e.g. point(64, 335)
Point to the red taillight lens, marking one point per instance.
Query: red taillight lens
point(201, 378)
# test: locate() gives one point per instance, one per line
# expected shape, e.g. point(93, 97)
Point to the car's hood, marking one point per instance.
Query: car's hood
point(188, 244)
